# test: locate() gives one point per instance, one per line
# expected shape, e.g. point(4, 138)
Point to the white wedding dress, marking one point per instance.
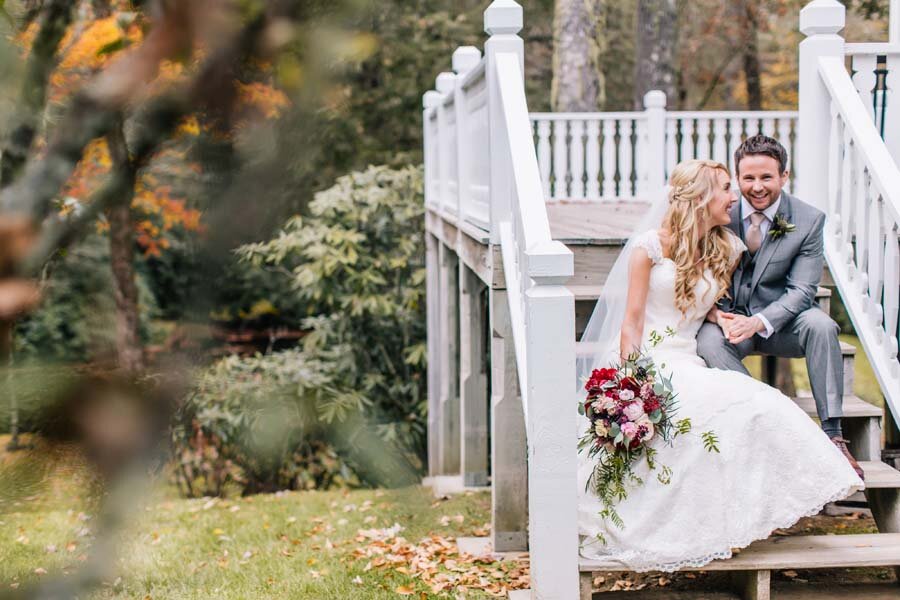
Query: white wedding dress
point(775, 466)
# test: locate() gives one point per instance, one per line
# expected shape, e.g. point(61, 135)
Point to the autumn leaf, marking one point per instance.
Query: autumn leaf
point(405, 590)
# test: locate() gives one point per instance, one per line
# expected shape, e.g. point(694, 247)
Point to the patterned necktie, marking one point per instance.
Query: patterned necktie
point(754, 234)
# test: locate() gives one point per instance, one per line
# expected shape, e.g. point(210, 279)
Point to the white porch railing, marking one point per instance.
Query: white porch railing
point(541, 311)
point(481, 169)
point(622, 155)
point(861, 194)
point(875, 72)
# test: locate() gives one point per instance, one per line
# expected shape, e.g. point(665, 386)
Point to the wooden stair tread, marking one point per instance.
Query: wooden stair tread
point(880, 475)
point(854, 406)
point(796, 552)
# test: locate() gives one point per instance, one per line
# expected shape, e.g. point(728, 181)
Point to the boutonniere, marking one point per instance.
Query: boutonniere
point(780, 226)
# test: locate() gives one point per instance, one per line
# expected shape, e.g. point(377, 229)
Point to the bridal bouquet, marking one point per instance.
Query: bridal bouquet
point(629, 405)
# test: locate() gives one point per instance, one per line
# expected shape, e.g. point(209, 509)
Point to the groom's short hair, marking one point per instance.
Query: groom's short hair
point(761, 144)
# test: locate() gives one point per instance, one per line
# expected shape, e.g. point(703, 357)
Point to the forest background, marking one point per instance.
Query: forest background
point(305, 328)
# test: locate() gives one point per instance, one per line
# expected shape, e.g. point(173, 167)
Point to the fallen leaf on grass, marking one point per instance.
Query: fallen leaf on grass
point(405, 590)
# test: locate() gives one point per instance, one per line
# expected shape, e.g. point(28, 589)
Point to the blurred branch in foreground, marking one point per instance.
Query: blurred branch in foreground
point(133, 84)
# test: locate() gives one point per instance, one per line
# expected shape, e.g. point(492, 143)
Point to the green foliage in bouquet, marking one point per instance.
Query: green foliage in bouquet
point(629, 406)
point(356, 267)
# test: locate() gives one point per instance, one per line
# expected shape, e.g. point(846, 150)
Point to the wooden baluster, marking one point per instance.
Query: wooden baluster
point(836, 191)
point(609, 158)
point(702, 148)
point(768, 127)
point(720, 147)
point(864, 80)
point(560, 159)
point(891, 114)
point(892, 291)
point(576, 158)
point(735, 137)
point(544, 162)
point(593, 160)
point(688, 149)
point(846, 151)
point(861, 222)
point(784, 136)
point(754, 127)
point(875, 270)
point(625, 158)
point(642, 164)
point(671, 145)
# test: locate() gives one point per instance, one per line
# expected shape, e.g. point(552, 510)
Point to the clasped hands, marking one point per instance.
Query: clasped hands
point(738, 328)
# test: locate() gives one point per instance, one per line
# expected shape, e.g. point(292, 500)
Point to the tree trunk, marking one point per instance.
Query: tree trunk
point(578, 43)
point(750, 55)
point(657, 39)
point(121, 254)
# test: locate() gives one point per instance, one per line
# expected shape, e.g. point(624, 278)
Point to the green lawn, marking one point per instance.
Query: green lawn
point(286, 545)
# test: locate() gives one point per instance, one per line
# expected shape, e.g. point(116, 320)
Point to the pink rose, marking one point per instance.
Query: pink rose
point(629, 430)
point(626, 395)
point(647, 391)
point(634, 411)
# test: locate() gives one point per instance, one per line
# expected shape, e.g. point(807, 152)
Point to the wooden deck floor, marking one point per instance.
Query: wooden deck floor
point(594, 223)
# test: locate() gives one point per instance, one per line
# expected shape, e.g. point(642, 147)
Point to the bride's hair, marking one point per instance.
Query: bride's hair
point(693, 184)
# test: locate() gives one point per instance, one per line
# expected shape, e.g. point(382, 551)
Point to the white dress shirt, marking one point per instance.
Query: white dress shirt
point(747, 210)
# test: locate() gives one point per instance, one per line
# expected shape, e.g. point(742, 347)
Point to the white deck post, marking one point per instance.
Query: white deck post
point(655, 152)
point(552, 452)
point(465, 58)
point(509, 467)
point(449, 364)
point(894, 20)
point(430, 100)
point(472, 379)
point(502, 21)
point(820, 21)
point(445, 83)
point(432, 319)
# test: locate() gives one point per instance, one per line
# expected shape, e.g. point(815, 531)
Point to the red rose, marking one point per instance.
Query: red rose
point(651, 405)
point(599, 377)
point(628, 383)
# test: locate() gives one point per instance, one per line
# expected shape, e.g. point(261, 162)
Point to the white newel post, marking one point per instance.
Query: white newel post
point(509, 468)
point(464, 60)
point(430, 100)
point(552, 451)
point(894, 20)
point(820, 21)
point(655, 152)
point(445, 83)
point(432, 318)
point(502, 21)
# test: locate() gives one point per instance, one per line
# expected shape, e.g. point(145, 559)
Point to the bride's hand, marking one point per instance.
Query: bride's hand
point(725, 320)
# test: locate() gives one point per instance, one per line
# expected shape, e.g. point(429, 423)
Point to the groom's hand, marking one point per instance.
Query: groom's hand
point(742, 328)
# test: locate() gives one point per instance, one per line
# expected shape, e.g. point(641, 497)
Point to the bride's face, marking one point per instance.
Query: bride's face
point(719, 207)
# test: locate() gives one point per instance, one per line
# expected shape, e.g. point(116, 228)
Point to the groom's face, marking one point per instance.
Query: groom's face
point(760, 181)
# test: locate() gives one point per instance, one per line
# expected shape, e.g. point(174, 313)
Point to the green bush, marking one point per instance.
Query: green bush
point(349, 406)
point(76, 319)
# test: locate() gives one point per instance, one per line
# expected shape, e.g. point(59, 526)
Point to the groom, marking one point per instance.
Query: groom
point(772, 309)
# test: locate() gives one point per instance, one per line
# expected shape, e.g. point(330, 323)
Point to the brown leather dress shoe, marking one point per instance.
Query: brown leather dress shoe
point(841, 444)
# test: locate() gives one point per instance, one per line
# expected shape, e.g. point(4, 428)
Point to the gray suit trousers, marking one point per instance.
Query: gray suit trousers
point(812, 334)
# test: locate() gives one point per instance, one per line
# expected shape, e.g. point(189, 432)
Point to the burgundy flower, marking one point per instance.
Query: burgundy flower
point(599, 377)
point(629, 383)
point(651, 405)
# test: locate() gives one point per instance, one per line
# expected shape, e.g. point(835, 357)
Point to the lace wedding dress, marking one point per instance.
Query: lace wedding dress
point(775, 464)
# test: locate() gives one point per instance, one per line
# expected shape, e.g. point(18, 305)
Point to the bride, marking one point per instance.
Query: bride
point(775, 465)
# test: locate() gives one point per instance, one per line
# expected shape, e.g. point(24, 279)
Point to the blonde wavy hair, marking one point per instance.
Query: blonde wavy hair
point(693, 184)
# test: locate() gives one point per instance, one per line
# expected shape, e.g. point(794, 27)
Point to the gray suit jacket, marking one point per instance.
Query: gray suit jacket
point(788, 268)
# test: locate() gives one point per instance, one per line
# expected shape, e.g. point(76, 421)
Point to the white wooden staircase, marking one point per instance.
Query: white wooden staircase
point(491, 232)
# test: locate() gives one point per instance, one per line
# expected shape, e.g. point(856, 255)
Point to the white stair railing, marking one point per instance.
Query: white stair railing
point(623, 155)
point(541, 308)
point(861, 194)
